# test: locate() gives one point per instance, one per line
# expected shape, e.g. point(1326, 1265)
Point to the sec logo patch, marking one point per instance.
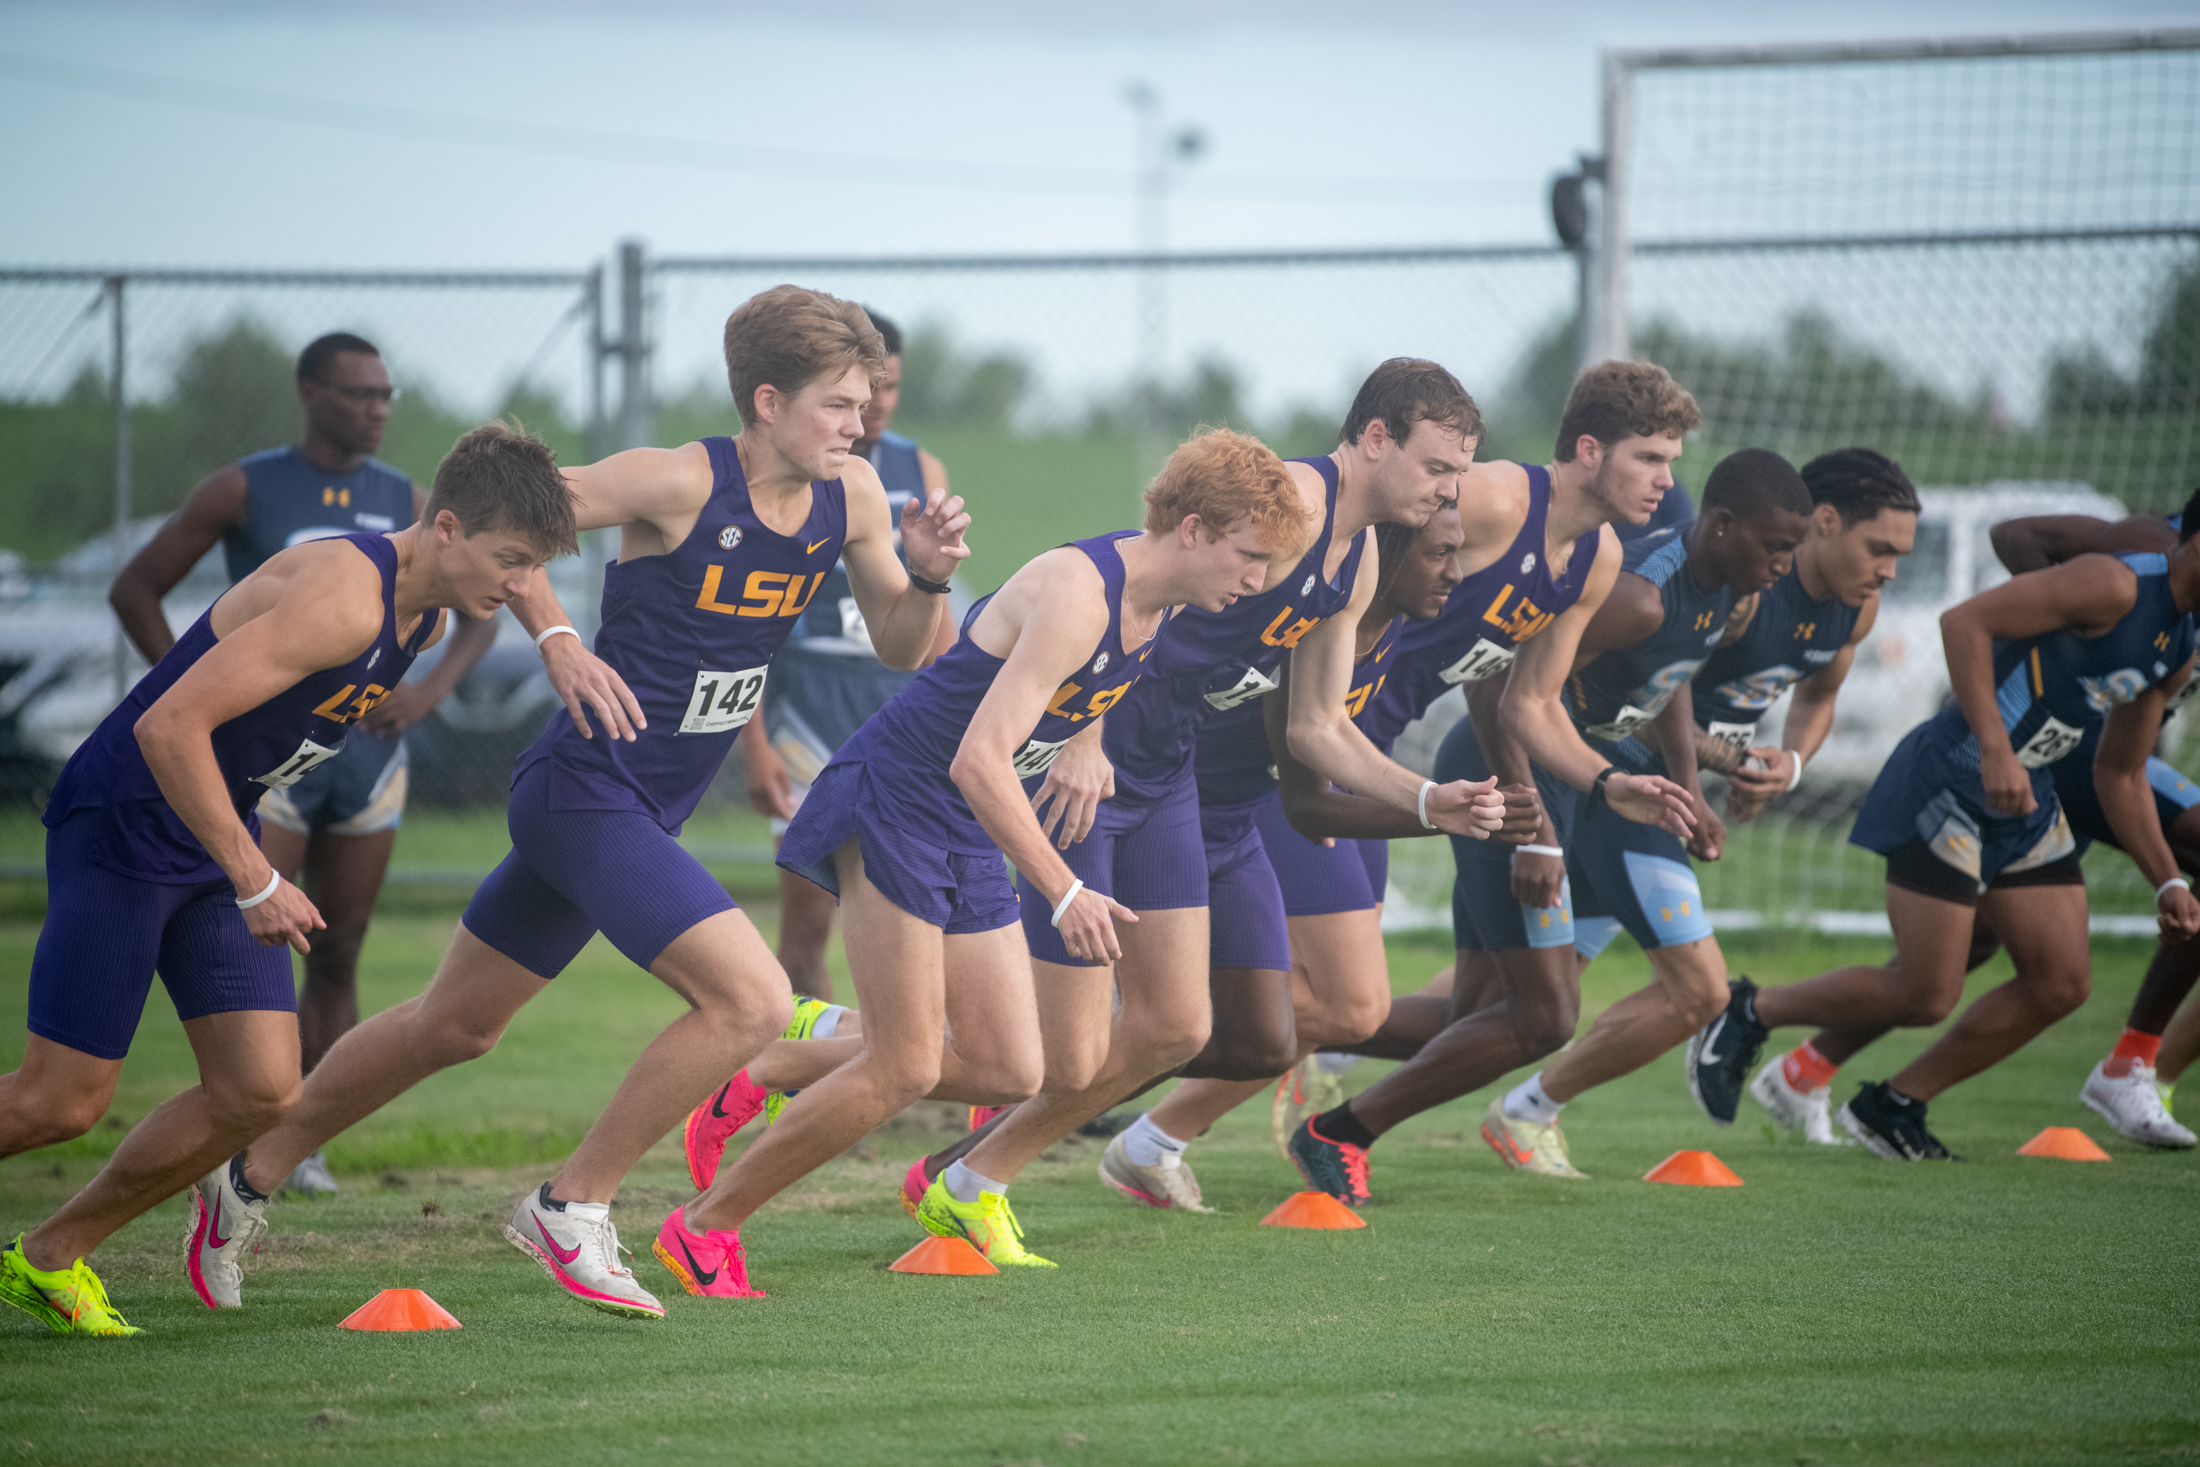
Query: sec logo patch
point(729, 537)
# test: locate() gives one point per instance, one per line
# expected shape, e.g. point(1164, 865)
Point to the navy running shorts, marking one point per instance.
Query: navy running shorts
point(574, 873)
point(1246, 927)
point(1485, 915)
point(359, 792)
point(1149, 857)
point(106, 934)
point(955, 891)
point(1317, 880)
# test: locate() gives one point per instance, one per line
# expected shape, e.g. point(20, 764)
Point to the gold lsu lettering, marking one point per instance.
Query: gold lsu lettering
point(1524, 621)
point(1279, 636)
point(1099, 703)
point(767, 593)
point(361, 706)
point(1356, 700)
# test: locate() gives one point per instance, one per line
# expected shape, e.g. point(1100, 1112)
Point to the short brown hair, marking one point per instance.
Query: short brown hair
point(1616, 400)
point(1408, 390)
point(788, 337)
point(1230, 479)
point(500, 477)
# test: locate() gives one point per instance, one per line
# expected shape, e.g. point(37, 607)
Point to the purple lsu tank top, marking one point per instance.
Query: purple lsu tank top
point(1208, 662)
point(1236, 765)
point(916, 735)
point(692, 631)
point(269, 747)
point(1484, 620)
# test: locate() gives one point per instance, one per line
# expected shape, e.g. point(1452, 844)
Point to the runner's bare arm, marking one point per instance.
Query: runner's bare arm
point(2038, 541)
point(1770, 772)
point(2120, 779)
point(2086, 595)
point(1673, 735)
point(216, 507)
point(1317, 809)
point(1321, 733)
point(903, 619)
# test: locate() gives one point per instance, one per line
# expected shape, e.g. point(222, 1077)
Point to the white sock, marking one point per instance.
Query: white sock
point(1527, 1102)
point(1336, 1064)
point(1146, 1144)
point(828, 1021)
point(964, 1185)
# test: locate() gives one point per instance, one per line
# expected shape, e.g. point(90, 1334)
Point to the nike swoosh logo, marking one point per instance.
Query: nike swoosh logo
point(716, 1113)
point(1504, 1142)
point(214, 1238)
point(812, 550)
point(562, 1255)
point(702, 1280)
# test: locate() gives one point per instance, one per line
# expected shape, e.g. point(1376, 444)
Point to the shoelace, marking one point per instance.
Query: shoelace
point(605, 1236)
point(1355, 1168)
point(1003, 1209)
point(85, 1285)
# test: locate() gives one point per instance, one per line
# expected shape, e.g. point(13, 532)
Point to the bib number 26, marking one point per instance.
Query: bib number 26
point(723, 701)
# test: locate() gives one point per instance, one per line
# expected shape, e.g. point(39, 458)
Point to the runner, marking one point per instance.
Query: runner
point(335, 827)
point(723, 543)
point(909, 822)
point(825, 682)
point(1801, 634)
point(1966, 814)
point(1665, 614)
point(1408, 437)
point(152, 858)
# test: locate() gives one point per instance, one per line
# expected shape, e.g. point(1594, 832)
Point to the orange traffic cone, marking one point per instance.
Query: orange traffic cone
point(1693, 1169)
point(2064, 1143)
point(400, 1309)
point(1312, 1210)
point(944, 1256)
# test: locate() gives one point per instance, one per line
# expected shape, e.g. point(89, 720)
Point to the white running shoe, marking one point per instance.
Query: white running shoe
point(224, 1228)
point(1306, 1089)
point(1528, 1146)
point(1168, 1184)
point(579, 1248)
point(2133, 1107)
point(312, 1178)
point(1808, 1111)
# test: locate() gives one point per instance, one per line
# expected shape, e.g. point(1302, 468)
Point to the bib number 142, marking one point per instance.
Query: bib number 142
point(723, 701)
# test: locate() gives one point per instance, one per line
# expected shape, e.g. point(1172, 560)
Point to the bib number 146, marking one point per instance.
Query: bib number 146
point(723, 701)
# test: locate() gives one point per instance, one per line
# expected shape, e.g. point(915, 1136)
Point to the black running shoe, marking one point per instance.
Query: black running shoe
point(1336, 1167)
point(1723, 1052)
point(1890, 1128)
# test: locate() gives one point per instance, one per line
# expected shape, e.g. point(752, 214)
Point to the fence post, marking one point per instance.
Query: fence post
point(633, 349)
point(121, 403)
point(1604, 334)
point(594, 543)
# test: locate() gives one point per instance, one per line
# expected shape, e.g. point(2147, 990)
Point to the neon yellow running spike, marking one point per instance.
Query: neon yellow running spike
point(807, 1011)
point(68, 1301)
point(988, 1223)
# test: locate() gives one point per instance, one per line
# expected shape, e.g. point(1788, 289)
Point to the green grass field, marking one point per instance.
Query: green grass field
point(1836, 1309)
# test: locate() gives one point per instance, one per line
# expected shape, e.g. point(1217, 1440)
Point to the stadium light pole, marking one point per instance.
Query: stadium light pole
point(1156, 148)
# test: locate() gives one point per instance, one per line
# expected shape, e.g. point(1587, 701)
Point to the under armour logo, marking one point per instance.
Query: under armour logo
point(729, 537)
point(1805, 630)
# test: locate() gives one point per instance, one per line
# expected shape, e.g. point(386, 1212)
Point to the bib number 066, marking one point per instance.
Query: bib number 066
point(723, 701)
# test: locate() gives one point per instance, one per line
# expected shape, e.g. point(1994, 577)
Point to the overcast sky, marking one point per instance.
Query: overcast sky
point(494, 134)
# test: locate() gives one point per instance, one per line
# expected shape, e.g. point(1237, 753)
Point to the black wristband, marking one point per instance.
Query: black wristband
point(1596, 790)
point(930, 588)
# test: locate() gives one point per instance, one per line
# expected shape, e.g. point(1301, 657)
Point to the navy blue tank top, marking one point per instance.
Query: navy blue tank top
point(2051, 688)
point(916, 735)
point(693, 631)
point(1208, 662)
point(268, 748)
point(832, 623)
point(1622, 690)
point(1485, 619)
point(1788, 638)
point(1236, 764)
point(288, 500)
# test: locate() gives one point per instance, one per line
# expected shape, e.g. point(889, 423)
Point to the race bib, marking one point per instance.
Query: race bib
point(1735, 736)
point(1486, 660)
point(1252, 685)
point(1036, 757)
point(293, 769)
point(852, 624)
point(2054, 740)
point(723, 701)
point(1623, 724)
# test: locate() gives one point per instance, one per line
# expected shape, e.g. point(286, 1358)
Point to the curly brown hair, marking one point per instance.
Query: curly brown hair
point(1616, 400)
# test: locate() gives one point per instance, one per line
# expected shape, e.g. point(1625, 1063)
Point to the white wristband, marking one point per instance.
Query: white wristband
point(560, 630)
point(1067, 897)
point(2165, 886)
point(274, 879)
point(1558, 851)
point(1796, 778)
point(1422, 808)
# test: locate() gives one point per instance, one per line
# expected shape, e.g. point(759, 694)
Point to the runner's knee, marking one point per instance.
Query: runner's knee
point(47, 1119)
point(250, 1105)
